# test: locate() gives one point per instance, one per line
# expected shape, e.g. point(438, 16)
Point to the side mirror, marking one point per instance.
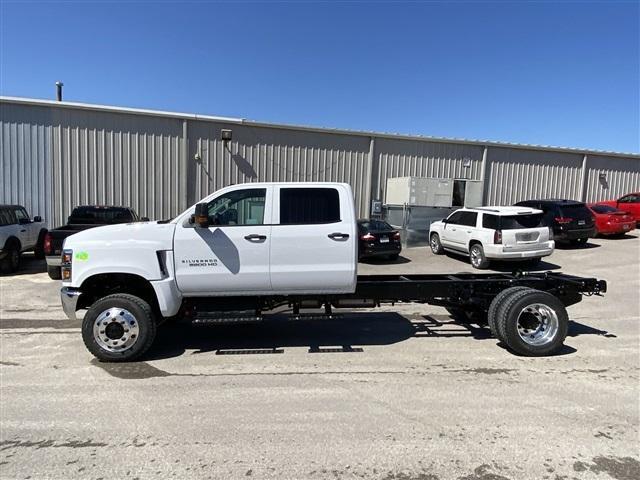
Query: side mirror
point(37, 219)
point(144, 219)
point(201, 216)
point(444, 220)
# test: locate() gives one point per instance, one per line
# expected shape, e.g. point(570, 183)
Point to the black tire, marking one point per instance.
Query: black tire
point(497, 303)
point(477, 257)
point(146, 324)
point(11, 262)
point(54, 272)
point(524, 311)
point(394, 257)
point(38, 251)
point(436, 245)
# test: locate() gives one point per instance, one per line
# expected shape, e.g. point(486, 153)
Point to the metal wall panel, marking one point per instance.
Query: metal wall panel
point(405, 158)
point(514, 175)
point(275, 155)
point(56, 156)
point(90, 157)
point(621, 175)
point(25, 151)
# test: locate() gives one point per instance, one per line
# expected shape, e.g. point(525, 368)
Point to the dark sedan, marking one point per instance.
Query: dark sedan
point(377, 238)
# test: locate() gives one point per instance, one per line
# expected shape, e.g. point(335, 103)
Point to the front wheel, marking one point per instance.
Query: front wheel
point(119, 328)
point(435, 244)
point(477, 257)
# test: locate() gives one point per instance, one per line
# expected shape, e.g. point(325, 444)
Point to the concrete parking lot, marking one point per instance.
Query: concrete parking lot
point(399, 393)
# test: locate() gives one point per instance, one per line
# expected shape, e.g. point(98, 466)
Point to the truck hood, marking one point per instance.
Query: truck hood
point(148, 235)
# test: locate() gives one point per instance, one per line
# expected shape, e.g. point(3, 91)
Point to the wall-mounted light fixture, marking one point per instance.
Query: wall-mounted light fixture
point(466, 162)
point(226, 135)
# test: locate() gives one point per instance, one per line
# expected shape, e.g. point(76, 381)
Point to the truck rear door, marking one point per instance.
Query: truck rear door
point(313, 240)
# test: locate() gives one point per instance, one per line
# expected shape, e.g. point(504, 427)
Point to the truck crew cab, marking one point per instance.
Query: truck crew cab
point(249, 248)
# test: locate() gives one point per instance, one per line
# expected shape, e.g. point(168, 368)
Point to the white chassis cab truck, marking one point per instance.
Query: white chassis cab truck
point(248, 249)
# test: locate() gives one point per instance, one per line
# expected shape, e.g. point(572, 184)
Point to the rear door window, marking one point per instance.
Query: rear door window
point(305, 206)
point(6, 218)
point(514, 222)
point(374, 225)
point(603, 209)
point(469, 219)
point(579, 211)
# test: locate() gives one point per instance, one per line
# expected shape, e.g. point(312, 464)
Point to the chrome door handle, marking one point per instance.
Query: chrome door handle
point(338, 236)
point(254, 237)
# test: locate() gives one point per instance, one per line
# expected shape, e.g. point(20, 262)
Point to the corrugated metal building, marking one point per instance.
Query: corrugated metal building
point(56, 155)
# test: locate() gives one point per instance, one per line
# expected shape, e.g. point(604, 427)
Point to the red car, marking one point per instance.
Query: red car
point(628, 203)
point(610, 220)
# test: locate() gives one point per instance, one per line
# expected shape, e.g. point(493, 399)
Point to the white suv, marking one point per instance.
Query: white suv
point(19, 233)
point(493, 233)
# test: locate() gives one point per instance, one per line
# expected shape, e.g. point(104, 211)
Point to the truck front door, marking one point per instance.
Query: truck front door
point(231, 256)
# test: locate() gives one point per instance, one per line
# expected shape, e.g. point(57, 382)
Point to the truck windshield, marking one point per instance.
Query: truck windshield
point(512, 222)
point(100, 216)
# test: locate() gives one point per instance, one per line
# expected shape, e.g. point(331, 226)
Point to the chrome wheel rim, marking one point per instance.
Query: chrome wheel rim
point(537, 324)
point(475, 257)
point(435, 244)
point(116, 330)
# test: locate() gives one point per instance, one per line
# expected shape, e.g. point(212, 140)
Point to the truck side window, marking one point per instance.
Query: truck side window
point(490, 221)
point(240, 207)
point(309, 206)
point(21, 214)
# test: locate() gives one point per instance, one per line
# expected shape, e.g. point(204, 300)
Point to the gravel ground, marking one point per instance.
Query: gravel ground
point(398, 393)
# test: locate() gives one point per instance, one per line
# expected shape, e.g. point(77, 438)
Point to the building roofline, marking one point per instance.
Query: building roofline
point(362, 133)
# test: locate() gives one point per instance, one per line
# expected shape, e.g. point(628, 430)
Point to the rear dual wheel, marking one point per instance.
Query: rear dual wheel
point(530, 322)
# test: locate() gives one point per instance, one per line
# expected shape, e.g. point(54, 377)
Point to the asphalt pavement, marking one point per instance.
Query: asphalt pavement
point(396, 393)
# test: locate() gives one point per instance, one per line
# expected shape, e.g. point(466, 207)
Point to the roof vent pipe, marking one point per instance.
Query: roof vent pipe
point(59, 86)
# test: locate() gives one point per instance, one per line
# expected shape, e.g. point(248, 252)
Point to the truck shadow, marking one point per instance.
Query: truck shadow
point(344, 333)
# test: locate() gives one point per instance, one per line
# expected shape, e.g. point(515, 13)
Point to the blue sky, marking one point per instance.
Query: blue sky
point(548, 73)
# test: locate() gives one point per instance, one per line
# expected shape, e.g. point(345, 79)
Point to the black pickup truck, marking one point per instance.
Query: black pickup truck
point(83, 218)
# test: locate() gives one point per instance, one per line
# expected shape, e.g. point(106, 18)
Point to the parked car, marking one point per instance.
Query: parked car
point(493, 233)
point(629, 203)
point(19, 233)
point(610, 220)
point(377, 238)
point(82, 218)
point(571, 221)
